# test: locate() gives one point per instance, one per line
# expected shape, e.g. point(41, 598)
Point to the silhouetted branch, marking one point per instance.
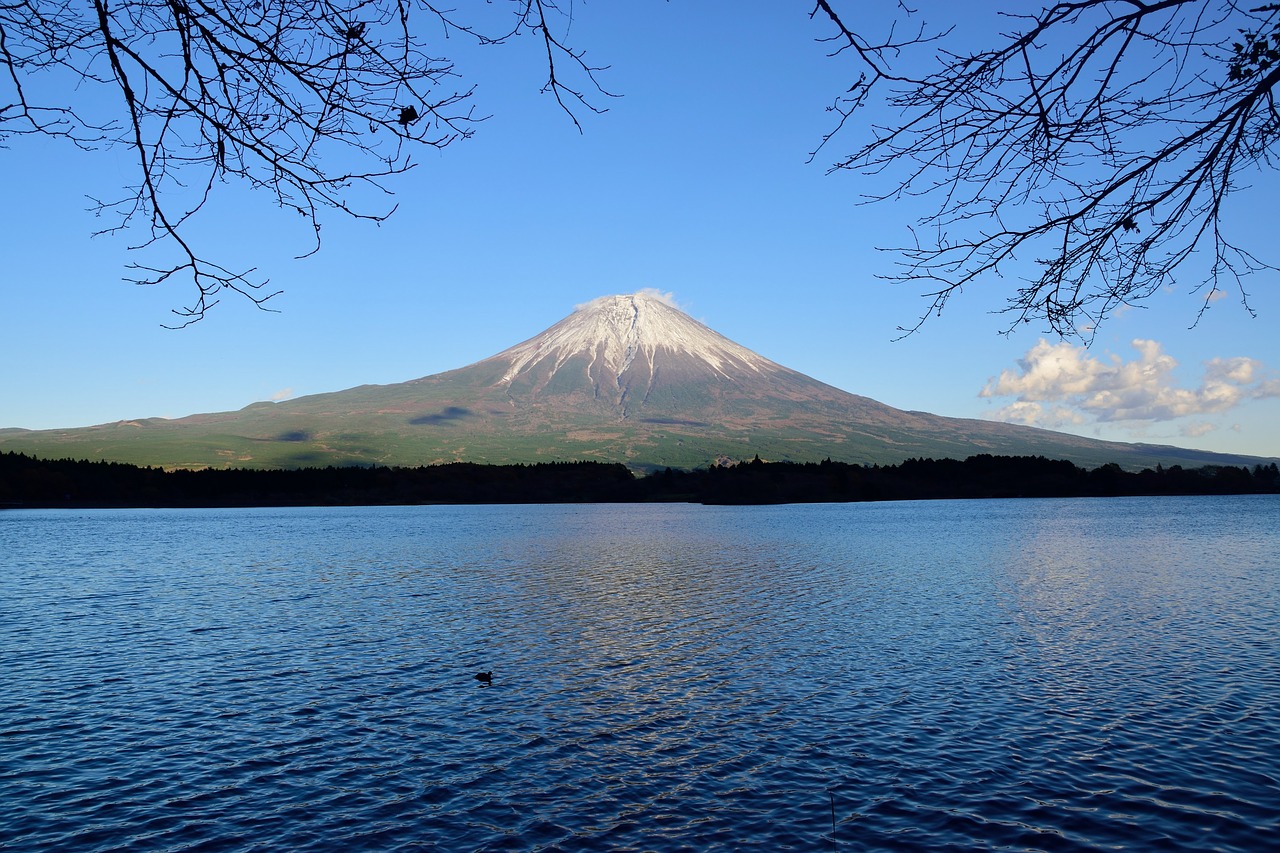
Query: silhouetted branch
point(1101, 137)
point(308, 101)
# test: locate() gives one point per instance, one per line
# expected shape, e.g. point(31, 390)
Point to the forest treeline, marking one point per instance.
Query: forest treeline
point(30, 482)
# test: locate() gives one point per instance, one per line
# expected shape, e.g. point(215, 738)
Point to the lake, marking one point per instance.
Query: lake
point(951, 675)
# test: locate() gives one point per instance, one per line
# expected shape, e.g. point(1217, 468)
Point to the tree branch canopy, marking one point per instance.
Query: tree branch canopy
point(1089, 148)
point(270, 93)
point(1101, 139)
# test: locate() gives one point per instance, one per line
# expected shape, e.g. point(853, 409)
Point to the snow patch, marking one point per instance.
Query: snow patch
point(614, 331)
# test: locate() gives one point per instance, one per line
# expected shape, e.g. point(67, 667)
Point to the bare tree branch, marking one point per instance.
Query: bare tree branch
point(310, 101)
point(1101, 138)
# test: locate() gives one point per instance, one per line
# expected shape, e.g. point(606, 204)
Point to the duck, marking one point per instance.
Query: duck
point(485, 677)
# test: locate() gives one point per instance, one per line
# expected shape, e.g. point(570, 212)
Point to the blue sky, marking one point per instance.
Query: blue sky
point(695, 182)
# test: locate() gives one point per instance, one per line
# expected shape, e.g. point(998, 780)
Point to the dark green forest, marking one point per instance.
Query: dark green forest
point(30, 482)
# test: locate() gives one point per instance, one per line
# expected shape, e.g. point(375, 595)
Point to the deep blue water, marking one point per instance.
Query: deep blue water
point(1018, 675)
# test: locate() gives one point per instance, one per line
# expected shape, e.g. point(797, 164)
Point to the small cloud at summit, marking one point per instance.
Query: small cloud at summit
point(282, 394)
point(666, 297)
point(1059, 384)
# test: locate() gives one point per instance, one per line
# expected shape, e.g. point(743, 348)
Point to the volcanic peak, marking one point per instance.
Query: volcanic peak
point(615, 331)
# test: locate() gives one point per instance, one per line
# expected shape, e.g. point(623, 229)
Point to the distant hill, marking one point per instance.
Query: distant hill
point(622, 379)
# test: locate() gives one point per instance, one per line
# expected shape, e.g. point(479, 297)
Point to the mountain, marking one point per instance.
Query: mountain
point(624, 378)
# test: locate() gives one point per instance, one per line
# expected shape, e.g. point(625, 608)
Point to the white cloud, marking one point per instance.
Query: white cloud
point(1198, 429)
point(666, 296)
point(282, 394)
point(1035, 414)
point(1238, 370)
point(1143, 389)
point(1266, 389)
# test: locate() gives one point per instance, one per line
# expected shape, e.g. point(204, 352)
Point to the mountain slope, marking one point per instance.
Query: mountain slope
point(624, 378)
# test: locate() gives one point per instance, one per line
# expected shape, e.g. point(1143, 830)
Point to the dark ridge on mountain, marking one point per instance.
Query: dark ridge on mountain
point(626, 379)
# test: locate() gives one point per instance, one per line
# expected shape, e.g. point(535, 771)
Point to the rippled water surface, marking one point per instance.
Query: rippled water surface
point(1022, 675)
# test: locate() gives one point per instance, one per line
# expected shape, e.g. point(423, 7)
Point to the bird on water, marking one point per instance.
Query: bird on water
point(485, 677)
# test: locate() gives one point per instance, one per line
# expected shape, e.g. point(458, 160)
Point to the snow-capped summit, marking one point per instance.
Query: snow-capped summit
point(616, 333)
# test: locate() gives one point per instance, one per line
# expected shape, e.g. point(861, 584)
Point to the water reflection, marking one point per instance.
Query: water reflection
point(1025, 674)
